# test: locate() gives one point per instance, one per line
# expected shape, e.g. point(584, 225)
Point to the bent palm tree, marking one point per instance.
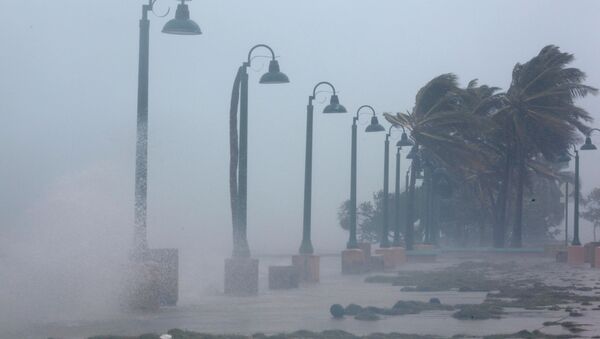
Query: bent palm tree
point(539, 115)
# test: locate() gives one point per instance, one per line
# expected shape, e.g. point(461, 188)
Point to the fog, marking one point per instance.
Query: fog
point(68, 84)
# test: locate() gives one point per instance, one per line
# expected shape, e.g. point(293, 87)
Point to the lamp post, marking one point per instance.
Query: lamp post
point(402, 142)
point(241, 271)
point(333, 107)
point(273, 76)
point(181, 25)
point(587, 146)
point(384, 239)
point(373, 127)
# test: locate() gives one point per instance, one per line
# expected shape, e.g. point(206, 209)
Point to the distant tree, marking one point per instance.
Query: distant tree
point(370, 215)
point(592, 212)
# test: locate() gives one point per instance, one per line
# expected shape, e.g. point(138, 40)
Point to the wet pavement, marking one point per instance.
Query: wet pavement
point(308, 308)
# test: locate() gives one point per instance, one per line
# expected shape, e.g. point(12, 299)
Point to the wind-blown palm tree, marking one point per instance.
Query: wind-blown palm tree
point(446, 129)
point(539, 116)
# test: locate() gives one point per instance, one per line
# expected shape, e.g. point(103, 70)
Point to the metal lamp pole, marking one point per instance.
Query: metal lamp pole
point(334, 107)
point(184, 26)
point(273, 76)
point(402, 142)
point(373, 127)
point(587, 146)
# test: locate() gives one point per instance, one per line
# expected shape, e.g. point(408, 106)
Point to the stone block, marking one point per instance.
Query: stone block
point(283, 277)
point(575, 255)
point(354, 261)
point(597, 258)
point(399, 255)
point(241, 276)
point(307, 266)
point(366, 248)
point(168, 270)
point(375, 263)
point(389, 257)
point(143, 293)
point(590, 252)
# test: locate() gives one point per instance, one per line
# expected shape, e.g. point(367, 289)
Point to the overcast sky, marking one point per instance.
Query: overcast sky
point(68, 85)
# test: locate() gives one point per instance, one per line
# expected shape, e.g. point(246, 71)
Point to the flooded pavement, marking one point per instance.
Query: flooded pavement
point(308, 307)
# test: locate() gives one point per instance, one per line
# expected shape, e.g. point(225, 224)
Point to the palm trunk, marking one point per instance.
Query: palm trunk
point(500, 215)
point(518, 226)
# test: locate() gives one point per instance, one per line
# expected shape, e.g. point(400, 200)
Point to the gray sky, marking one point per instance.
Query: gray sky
point(68, 84)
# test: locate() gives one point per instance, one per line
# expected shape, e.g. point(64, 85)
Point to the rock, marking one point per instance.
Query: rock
point(353, 309)
point(337, 311)
point(367, 316)
point(435, 301)
point(575, 314)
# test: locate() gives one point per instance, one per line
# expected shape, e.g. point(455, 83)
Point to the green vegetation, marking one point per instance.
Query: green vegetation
point(485, 155)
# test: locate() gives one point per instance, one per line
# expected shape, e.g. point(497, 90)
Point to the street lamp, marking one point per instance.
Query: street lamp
point(587, 146)
point(415, 168)
point(403, 142)
point(333, 107)
point(384, 240)
point(241, 271)
point(141, 158)
point(374, 126)
point(273, 76)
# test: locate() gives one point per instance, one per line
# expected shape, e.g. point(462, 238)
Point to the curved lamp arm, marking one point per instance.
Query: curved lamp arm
point(389, 133)
point(247, 63)
point(314, 94)
point(589, 133)
point(361, 107)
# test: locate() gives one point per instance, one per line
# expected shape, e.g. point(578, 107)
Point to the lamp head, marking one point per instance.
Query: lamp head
point(334, 106)
point(588, 146)
point(374, 126)
point(182, 24)
point(274, 75)
point(404, 141)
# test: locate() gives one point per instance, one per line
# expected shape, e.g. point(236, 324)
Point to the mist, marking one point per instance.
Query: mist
point(68, 84)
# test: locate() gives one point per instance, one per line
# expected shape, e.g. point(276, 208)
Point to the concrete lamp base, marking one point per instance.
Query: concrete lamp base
point(241, 276)
point(168, 270)
point(143, 292)
point(399, 255)
point(575, 255)
point(590, 252)
point(389, 257)
point(597, 258)
point(354, 261)
point(307, 266)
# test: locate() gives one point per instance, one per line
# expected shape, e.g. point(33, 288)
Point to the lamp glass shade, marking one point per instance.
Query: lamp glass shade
point(274, 75)
point(374, 126)
point(334, 106)
point(182, 24)
point(588, 146)
point(404, 141)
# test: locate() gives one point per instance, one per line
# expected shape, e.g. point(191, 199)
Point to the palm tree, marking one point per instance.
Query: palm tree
point(539, 116)
point(446, 130)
